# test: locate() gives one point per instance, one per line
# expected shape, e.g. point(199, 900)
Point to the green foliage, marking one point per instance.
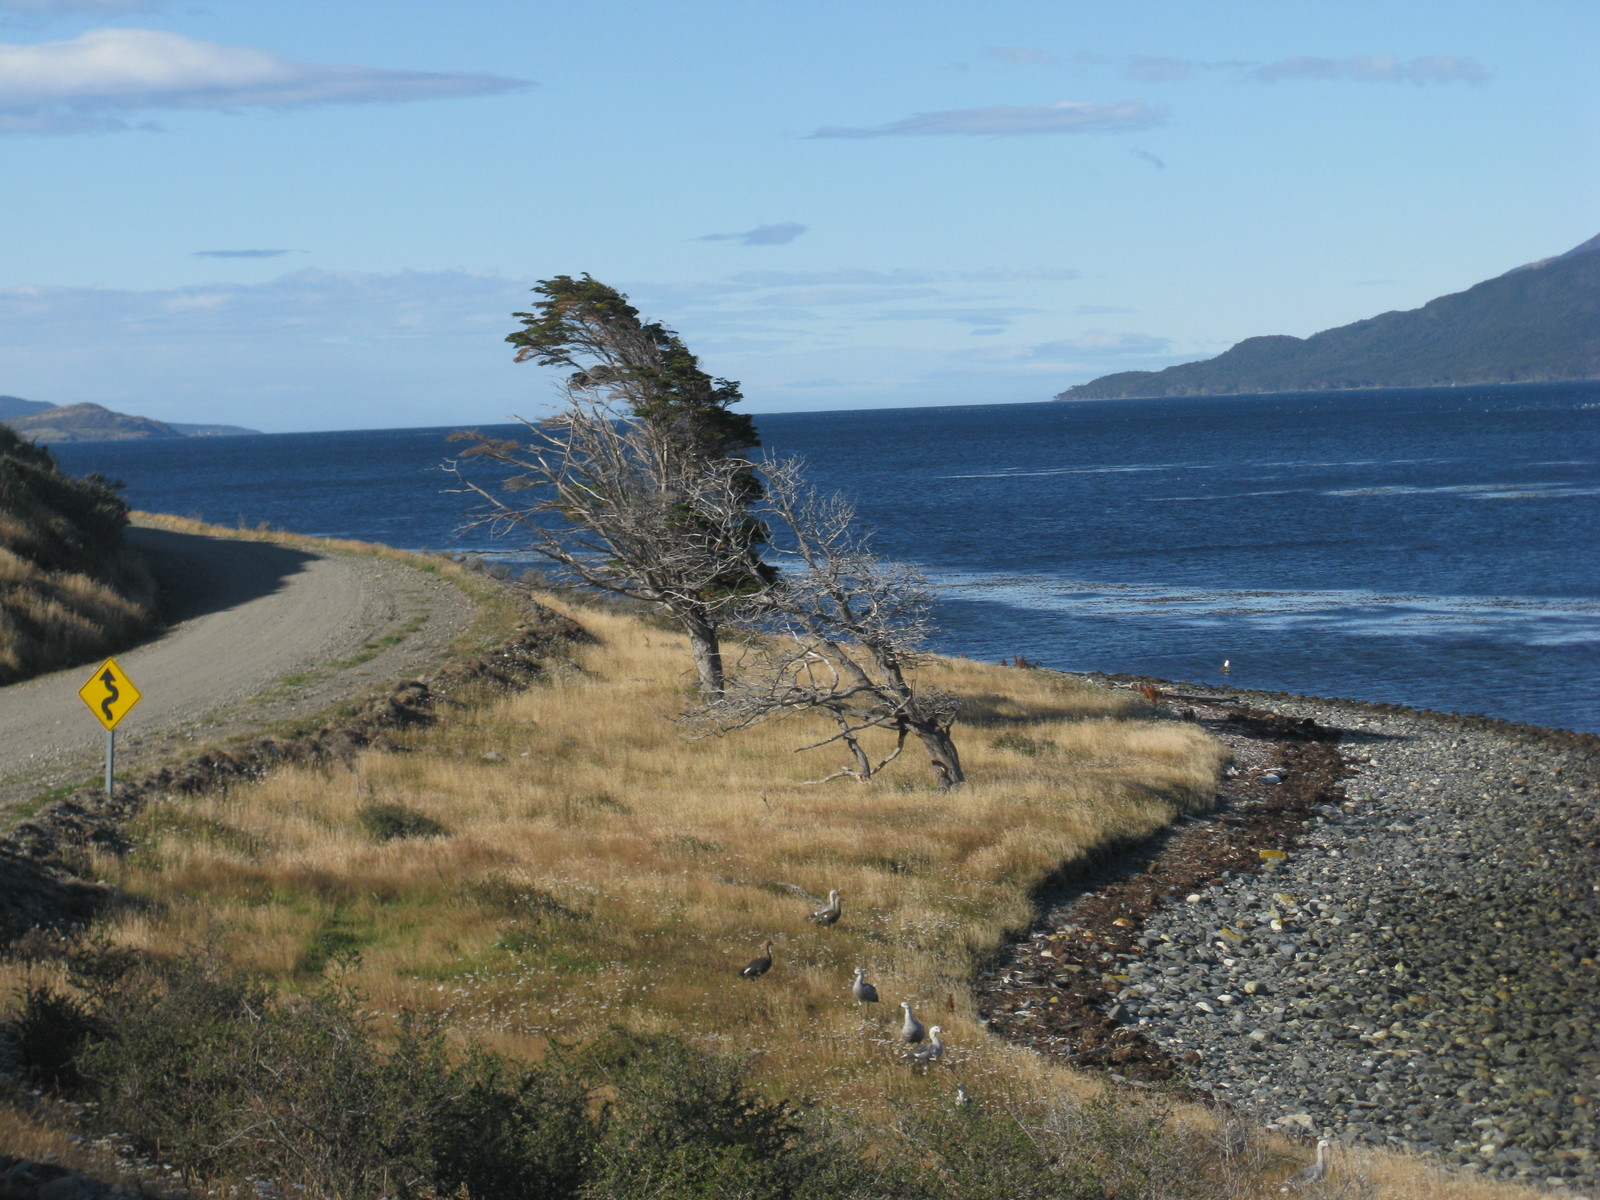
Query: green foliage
point(512, 1133)
point(48, 1033)
point(203, 1067)
point(685, 1124)
point(1028, 747)
point(69, 587)
point(591, 329)
point(1105, 1149)
point(57, 522)
point(387, 822)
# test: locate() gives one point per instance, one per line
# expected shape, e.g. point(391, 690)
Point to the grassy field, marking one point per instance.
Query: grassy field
point(540, 867)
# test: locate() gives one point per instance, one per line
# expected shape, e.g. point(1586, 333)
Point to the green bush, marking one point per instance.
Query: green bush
point(202, 1066)
point(388, 822)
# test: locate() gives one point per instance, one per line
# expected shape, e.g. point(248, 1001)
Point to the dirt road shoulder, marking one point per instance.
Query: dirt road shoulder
point(262, 630)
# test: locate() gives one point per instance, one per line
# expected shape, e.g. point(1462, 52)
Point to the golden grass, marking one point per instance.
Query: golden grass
point(598, 869)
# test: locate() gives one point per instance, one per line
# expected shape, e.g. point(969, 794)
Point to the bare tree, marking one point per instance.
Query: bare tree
point(614, 505)
point(638, 485)
point(838, 632)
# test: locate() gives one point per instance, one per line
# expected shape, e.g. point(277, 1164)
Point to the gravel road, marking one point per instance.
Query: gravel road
point(257, 633)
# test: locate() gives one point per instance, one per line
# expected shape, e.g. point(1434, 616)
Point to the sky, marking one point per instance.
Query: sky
point(322, 215)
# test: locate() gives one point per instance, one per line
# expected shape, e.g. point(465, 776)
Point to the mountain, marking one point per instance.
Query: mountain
point(86, 423)
point(42, 422)
point(16, 406)
point(1535, 323)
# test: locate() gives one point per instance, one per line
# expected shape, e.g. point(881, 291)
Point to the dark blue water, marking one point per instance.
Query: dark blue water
point(1439, 548)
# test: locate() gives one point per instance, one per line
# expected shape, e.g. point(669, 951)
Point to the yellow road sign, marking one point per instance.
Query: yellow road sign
point(109, 693)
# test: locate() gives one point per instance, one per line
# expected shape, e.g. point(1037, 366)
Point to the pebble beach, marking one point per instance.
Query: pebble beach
point(1420, 969)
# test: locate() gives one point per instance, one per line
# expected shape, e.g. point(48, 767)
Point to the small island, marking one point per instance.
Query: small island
point(40, 422)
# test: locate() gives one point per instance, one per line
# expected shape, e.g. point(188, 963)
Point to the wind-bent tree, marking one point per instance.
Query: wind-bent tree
point(638, 486)
point(838, 633)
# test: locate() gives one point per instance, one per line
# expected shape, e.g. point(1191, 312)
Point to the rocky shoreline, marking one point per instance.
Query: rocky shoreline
point(1413, 965)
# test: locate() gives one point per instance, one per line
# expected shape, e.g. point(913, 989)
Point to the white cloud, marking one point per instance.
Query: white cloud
point(1376, 68)
point(961, 316)
point(1096, 344)
point(1004, 120)
point(903, 277)
point(67, 8)
point(239, 254)
point(780, 234)
point(1159, 68)
point(1021, 56)
point(88, 83)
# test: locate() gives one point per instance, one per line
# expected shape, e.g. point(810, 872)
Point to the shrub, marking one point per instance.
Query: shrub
point(389, 822)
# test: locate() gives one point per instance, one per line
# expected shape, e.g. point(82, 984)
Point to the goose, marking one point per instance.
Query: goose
point(829, 913)
point(911, 1030)
point(862, 990)
point(933, 1051)
point(757, 967)
point(1315, 1173)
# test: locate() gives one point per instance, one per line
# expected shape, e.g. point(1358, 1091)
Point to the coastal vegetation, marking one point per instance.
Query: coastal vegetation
point(502, 958)
point(1536, 323)
point(70, 587)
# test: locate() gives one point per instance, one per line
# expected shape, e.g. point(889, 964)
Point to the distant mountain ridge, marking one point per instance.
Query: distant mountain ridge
point(1536, 323)
point(40, 422)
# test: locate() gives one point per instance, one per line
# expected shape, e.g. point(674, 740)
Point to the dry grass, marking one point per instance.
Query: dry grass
point(598, 869)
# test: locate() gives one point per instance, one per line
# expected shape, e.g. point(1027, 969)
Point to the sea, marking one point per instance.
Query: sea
point(1434, 547)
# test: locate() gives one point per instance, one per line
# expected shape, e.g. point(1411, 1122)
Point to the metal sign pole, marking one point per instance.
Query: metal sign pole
point(109, 694)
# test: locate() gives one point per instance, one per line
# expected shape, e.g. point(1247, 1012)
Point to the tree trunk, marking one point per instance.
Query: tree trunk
point(706, 649)
point(942, 756)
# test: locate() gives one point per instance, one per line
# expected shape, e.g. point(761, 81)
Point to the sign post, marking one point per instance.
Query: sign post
point(110, 695)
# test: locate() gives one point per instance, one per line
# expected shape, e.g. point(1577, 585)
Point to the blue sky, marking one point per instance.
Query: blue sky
point(320, 215)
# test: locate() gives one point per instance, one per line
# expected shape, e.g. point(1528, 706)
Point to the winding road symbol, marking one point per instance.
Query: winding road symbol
point(109, 693)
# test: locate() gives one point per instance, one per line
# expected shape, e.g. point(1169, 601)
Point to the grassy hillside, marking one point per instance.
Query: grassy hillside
point(70, 589)
point(541, 868)
point(87, 423)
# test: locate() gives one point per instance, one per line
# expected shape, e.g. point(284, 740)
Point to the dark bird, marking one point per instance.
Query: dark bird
point(828, 914)
point(862, 990)
point(757, 967)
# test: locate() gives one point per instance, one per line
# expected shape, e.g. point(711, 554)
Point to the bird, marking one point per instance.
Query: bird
point(932, 1052)
point(828, 914)
point(963, 1097)
point(911, 1030)
point(862, 990)
point(757, 967)
point(1227, 667)
point(1315, 1173)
